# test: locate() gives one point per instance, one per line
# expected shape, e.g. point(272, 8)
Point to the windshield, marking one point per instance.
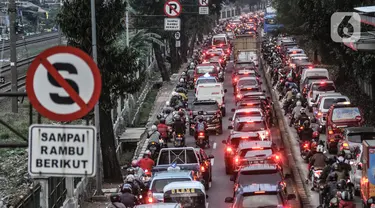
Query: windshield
point(219, 40)
point(256, 201)
point(209, 106)
point(329, 101)
point(359, 137)
point(159, 184)
point(247, 82)
point(323, 87)
point(245, 65)
point(205, 69)
point(200, 81)
point(250, 113)
point(259, 177)
point(249, 126)
point(256, 153)
point(251, 89)
point(343, 114)
point(192, 200)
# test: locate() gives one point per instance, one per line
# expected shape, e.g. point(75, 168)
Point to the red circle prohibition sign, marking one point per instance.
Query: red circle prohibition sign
point(168, 7)
point(41, 59)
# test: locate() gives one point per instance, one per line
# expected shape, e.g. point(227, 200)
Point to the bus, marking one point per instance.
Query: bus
point(270, 23)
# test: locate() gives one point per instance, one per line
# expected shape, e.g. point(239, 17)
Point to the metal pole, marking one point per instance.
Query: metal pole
point(127, 23)
point(96, 110)
point(69, 181)
point(13, 52)
point(58, 26)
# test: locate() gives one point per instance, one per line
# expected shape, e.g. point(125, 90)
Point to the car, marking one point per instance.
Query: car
point(353, 137)
point(205, 167)
point(261, 195)
point(306, 83)
point(249, 95)
point(257, 174)
point(211, 111)
point(202, 69)
point(245, 81)
point(243, 89)
point(246, 112)
point(242, 65)
point(231, 145)
point(251, 124)
point(243, 73)
point(207, 78)
point(160, 179)
point(294, 60)
point(160, 205)
point(317, 88)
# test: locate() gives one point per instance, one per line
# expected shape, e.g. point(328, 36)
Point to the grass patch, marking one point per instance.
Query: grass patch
point(147, 105)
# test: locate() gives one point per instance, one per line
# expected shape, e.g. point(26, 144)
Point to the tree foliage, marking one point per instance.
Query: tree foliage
point(118, 64)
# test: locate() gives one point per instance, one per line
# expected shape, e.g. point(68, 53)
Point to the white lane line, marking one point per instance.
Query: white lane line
point(214, 147)
point(212, 162)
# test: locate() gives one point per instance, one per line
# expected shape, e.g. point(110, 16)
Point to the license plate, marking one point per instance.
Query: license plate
point(179, 138)
point(153, 148)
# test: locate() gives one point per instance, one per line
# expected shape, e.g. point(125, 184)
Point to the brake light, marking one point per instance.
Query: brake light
point(267, 133)
point(239, 96)
point(306, 146)
point(229, 149)
point(259, 192)
point(249, 88)
point(201, 134)
point(249, 104)
point(258, 148)
point(310, 67)
point(235, 79)
point(330, 132)
point(322, 83)
point(249, 121)
point(220, 60)
point(244, 137)
point(294, 52)
point(150, 199)
point(301, 127)
point(203, 169)
point(277, 157)
point(236, 160)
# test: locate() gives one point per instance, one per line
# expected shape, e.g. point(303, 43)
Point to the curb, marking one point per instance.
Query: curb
point(302, 189)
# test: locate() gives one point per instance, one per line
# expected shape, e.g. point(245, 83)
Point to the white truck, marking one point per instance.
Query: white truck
point(212, 91)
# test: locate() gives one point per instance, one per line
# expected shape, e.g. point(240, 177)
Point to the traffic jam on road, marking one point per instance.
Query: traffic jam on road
point(222, 109)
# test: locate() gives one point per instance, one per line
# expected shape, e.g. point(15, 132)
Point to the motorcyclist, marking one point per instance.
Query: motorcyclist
point(146, 163)
point(330, 189)
point(317, 161)
point(296, 113)
point(182, 83)
point(178, 125)
point(130, 179)
point(302, 99)
point(176, 100)
point(343, 162)
point(302, 117)
point(154, 135)
point(192, 65)
point(201, 126)
point(289, 94)
point(163, 130)
point(116, 201)
point(341, 173)
point(306, 134)
point(346, 200)
point(327, 170)
point(138, 172)
point(127, 197)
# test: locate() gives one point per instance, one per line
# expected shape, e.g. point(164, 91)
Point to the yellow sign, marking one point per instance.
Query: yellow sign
point(183, 191)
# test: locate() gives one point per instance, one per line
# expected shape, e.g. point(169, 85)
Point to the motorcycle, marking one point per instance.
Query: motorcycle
point(315, 178)
point(305, 149)
point(179, 140)
point(154, 147)
point(201, 140)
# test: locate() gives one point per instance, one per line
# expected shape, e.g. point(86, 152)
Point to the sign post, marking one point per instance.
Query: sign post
point(203, 7)
point(172, 9)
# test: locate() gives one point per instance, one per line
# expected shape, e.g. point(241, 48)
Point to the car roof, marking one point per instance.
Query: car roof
point(238, 134)
point(159, 205)
point(260, 187)
point(259, 167)
point(171, 174)
point(185, 184)
point(247, 78)
point(249, 119)
point(246, 110)
point(350, 130)
point(250, 144)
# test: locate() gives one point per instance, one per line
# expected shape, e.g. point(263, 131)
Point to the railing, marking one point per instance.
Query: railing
point(32, 200)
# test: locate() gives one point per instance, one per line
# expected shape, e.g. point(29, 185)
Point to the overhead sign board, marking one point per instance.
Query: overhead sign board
point(203, 3)
point(177, 35)
point(204, 10)
point(63, 83)
point(172, 24)
point(172, 8)
point(62, 150)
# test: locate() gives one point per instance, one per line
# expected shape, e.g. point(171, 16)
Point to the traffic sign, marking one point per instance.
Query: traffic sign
point(172, 24)
point(177, 35)
point(62, 150)
point(204, 10)
point(203, 3)
point(63, 83)
point(178, 43)
point(172, 8)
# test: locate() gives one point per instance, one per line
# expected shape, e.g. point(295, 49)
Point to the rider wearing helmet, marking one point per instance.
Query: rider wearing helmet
point(163, 130)
point(346, 200)
point(318, 160)
point(303, 117)
point(296, 112)
point(146, 163)
point(137, 170)
point(154, 135)
point(306, 134)
point(127, 197)
point(116, 201)
point(178, 125)
point(201, 126)
point(330, 189)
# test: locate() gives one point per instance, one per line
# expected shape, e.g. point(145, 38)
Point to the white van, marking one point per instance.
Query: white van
point(212, 91)
point(220, 39)
point(314, 72)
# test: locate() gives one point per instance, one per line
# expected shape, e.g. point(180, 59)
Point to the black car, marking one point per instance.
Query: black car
point(205, 166)
point(211, 113)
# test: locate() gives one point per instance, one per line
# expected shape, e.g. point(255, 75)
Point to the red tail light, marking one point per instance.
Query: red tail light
point(229, 149)
point(201, 134)
point(236, 160)
point(239, 96)
point(267, 133)
point(306, 146)
point(150, 199)
point(301, 127)
point(203, 169)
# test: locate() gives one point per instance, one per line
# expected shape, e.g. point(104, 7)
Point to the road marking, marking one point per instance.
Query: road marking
point(214, 147)
point(212, 162)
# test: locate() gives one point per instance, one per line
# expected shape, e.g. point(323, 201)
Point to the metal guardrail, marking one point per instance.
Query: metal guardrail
point(28, 42)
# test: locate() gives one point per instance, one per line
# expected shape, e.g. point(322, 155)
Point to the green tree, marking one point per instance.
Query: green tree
point(118, 64)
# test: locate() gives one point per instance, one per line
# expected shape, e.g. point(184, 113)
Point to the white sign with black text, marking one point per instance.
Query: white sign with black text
point(62, 150)
point(172, 24)
point(204, 10)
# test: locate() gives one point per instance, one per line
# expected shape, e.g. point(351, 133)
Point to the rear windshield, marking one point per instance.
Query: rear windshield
point(245, 65)
point(250, 89)
point(158, 185)
point(249, 126)
point(343, 114)
point(359, 137)
point(205, 69)
point(329, 101)
point(323, 87)
point(177, 156)
point(219, 40)
point(255, 153)
point(247, 82)
point(254, 201)
point(205, 106)
point(314, 79)
point(200, 81)
point(259, 177)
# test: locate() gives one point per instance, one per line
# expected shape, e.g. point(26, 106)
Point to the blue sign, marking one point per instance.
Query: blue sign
point(371, 169)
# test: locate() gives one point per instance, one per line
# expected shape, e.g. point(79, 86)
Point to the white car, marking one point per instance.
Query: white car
point(246, 112)
point(318, 88)
point(256, 124)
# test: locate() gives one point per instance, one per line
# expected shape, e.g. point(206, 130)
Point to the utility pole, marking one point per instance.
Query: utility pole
point(96, 110)
point(127, 23)
point(12, 11)
point(58, 26)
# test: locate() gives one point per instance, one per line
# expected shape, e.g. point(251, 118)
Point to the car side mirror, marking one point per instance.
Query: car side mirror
point(232, 178)
point(287, 176)
point(211, 156)
point(359, 167)
point(233, 110)
point(224, 141)
point(230, 127)
point(225, 90)
point(230, 119)
point(291, 196)
point(229, 200)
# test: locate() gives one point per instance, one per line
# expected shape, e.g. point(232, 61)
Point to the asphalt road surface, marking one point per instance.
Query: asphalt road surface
point(221, 185)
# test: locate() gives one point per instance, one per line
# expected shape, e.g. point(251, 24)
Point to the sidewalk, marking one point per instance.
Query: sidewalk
point(164, 95)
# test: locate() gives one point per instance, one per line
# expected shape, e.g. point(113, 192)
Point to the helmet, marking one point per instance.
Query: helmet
point(341, 153)
point(192, 64)
point(183, 74)
point(126, 188)
point(320, 148)
point(130, 178)
point(294, 90)
point(341, 159)
point(115, 198)
point(346, 196)
point(148, 153)
point(167, 103)
point(306, 124)
point(298, 103)
point(154, 128)
point(181, 113)
point(134, 163)
point(332, 177)
point(302, 110)
point(182, 80)
point(174, 93)
point(298, 95)
point(162, 120)
point(335, 166)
